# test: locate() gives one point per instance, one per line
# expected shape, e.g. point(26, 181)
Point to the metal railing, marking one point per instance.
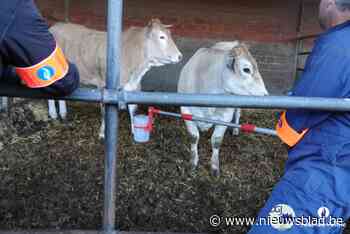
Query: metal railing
point(299, 46)
point(121, 98)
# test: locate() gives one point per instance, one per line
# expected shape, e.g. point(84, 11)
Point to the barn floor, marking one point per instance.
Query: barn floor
point(52, 175)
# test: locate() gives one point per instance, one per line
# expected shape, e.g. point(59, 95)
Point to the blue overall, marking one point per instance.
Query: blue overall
point(317, 172)
point(25, 41)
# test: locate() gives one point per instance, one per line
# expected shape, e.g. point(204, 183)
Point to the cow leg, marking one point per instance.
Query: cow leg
point(52, 109)
point(132, 110)
point(102, 127)
point(216, 140)
point(3, 104)
point(194, 139)
point(62, 109)
point(193, 130)
point(236, 116)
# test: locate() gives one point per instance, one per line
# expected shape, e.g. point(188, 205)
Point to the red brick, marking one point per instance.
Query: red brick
point(256, 20)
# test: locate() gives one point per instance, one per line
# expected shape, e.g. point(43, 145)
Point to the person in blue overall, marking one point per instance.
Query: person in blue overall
point(29, 53)
point(313, 195)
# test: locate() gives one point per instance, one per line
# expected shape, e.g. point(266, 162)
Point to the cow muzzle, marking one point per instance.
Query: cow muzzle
point(176, 58)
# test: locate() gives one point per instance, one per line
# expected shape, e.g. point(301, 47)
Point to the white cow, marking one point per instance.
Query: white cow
point(142, 48)
point(225, 68)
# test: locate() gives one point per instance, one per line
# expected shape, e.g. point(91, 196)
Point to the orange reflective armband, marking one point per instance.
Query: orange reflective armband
point(286, 133)
point(45, 73)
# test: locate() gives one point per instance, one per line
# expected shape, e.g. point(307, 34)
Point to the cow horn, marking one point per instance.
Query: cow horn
point(153, 21)
point(168, 25)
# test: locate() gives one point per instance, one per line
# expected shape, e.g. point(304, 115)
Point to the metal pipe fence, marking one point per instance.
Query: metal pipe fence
point(114, 25)
point(115, 97)
point(248, 128)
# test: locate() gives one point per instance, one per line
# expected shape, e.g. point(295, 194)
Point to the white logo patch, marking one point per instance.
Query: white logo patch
point(323, 212)
point(281, 217)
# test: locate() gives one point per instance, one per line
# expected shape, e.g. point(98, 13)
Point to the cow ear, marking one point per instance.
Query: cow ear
point(150, 23)
point(248, 46)
point(233, 64)
point(149, 28)
point(231, 61)
point(148, 31)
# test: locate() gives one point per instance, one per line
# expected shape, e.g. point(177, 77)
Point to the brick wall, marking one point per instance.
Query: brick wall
point(256, 20)
point(310, 17)
point(268, 25)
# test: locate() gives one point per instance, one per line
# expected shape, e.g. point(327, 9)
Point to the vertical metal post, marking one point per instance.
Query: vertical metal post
point(66, 10)
point(114, 26)
point(298, 44)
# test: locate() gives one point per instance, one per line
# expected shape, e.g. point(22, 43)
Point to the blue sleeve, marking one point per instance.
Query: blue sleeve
point(9, 75)
point(62, 87)
point(326, 74)
point(65, 86)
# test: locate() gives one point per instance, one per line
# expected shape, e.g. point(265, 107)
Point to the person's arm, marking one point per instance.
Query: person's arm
point(1, 67)
point(327, 75)
point(8, 75)
point(66, 85)
point(32, 50)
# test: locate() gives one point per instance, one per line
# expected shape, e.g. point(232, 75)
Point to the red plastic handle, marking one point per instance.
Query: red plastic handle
point(187, 116)
point(248, 128)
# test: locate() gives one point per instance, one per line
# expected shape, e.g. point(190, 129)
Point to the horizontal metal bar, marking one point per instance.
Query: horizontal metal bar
point(299, 38)
point(266, 131)
point(304, 53)
point(180, 99)
point(218, 122)
point(81, 94)
point(307, 37)
point(300, 69)
point(216, 100)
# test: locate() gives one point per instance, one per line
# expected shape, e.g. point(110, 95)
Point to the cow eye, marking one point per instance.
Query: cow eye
point(247, 70)
point(162, 37)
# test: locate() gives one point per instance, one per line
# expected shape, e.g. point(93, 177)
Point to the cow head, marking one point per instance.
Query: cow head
point(241, 73)
point(160, 46)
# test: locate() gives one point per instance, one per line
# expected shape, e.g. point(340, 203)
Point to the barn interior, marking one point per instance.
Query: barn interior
point(269, 27)
point(52, 171)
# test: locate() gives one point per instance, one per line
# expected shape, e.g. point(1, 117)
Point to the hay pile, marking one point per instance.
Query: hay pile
point(52, 176)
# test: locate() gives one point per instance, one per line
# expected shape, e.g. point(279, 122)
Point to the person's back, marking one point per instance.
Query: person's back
point(315, 185)
point(327, 74)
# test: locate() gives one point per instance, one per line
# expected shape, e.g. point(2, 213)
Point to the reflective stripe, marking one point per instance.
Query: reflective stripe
point(48, 71)
point(286, 133)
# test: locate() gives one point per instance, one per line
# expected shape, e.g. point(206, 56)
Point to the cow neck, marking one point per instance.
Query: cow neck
point(224, 66)
point(136, 76)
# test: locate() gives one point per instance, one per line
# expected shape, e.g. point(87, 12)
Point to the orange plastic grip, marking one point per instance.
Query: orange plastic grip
point(286, 133)
point(45, 73)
